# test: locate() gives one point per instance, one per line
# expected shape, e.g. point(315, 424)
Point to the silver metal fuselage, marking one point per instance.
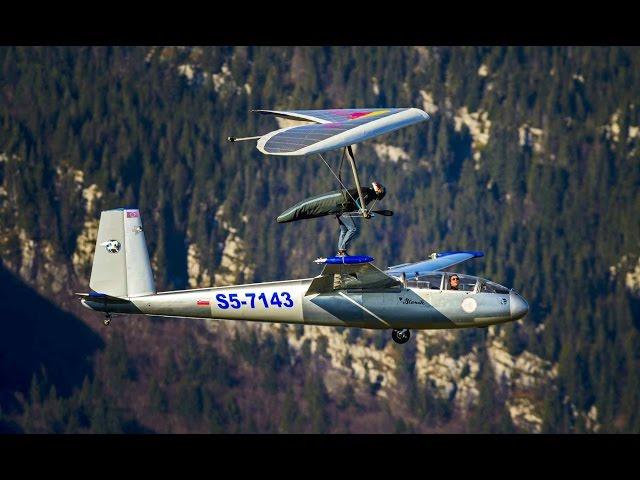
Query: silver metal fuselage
point(286, 302)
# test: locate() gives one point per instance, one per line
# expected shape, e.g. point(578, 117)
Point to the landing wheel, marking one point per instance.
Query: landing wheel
point(107, 320)
point(401, 336)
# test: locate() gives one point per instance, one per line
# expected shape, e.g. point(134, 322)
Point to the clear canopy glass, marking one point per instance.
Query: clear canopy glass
point(465, 283)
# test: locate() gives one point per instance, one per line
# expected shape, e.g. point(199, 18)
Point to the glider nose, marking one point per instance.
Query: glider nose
point(518, 306)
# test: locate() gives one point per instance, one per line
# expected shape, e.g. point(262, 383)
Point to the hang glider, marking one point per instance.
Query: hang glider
point(334, 129)
point(438, 261)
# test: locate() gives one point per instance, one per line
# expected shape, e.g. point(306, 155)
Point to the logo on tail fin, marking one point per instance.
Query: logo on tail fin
point(112, 246)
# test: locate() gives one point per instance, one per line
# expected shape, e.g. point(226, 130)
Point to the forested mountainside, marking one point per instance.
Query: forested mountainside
point(531, 155)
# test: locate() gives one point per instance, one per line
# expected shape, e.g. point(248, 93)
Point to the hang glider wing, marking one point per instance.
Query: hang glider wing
point(357, 276)
point(334, 129)
point(441, 261)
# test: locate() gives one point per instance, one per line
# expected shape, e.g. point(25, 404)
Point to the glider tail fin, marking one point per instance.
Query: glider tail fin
point(121, 266)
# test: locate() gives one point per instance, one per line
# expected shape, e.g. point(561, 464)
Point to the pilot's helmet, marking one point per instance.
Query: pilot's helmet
point(379, 189)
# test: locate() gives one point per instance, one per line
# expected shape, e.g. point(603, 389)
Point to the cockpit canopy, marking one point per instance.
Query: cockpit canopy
point(442, 281)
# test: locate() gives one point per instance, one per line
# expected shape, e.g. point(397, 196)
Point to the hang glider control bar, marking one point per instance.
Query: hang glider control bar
point(352, 160)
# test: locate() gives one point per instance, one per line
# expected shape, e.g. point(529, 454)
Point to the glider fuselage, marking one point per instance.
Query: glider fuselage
point(289, 302)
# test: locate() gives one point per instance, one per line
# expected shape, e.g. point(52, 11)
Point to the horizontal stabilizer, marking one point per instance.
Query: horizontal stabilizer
point(101, 297)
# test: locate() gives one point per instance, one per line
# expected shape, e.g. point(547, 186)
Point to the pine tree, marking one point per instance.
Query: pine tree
point(289, 413)
point(316, 398)
point(157, 398)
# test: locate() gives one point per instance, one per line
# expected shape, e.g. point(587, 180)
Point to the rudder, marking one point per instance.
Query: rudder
point(121, 266)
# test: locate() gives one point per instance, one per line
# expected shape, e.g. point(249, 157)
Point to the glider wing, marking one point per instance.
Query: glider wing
point(441, 261)
point(358, 276)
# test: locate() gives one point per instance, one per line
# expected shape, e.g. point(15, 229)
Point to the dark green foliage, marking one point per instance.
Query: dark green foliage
point(289, 413)
point(353, 334)
point(88, 409)
point(322, 344)
point(401, 426)
point(490, 414)
point(515, 341)
point(118, 363)
point(269, 359)
point(316, 398)
point(305, 351)
point(464, 341)
point(349, 397)
point(157, 398)
point(380, 340)
point(246, 345)
point(188, 399)
point(171, 368)
point(406, 376)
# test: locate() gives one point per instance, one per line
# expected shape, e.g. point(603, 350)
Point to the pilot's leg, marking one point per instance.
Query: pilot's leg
point(341, 238)
point(351, 233)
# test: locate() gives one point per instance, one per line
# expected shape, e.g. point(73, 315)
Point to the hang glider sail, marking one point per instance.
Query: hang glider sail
point(439, 261)
point(334, 129)
point(331, 116)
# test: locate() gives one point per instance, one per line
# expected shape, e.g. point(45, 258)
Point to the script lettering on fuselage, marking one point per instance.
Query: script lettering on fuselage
point(408, 301)
point(252, 300)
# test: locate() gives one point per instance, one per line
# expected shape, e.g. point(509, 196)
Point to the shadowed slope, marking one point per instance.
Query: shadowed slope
point(36, 334)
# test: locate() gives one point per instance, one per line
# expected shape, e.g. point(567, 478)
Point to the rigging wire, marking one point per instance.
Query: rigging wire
point(340, 181)
point(344, 152)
